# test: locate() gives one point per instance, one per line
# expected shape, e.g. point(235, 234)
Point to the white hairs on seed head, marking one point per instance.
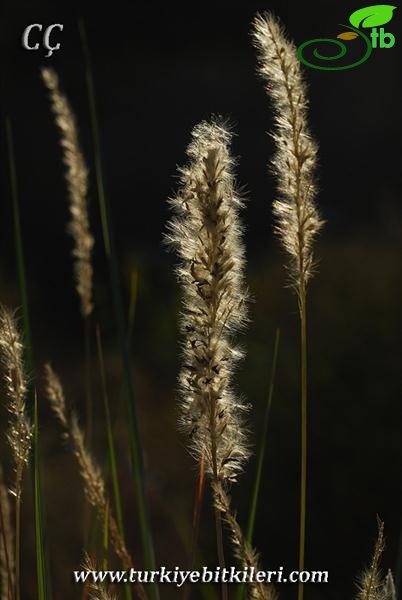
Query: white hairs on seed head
point(297, 218)
point(20, 430)
point(77, 182)
point(206, 234)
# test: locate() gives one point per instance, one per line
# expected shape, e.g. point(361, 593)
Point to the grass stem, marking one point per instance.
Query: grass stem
point(135, 444)
point(221, 553)
point(28, 359)
point(18, 547)
point(39, 541)
point(10, 590)
point(257, 484)
point(303, 456)
point(87, 377)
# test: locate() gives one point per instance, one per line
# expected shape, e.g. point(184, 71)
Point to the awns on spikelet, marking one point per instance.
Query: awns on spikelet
point(207, 236)
point(20, 430)
point(77, 182)
point(371, 584)
point(297, 219)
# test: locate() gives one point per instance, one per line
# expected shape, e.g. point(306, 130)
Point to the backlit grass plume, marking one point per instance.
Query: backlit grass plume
point(20, 429)
point(94, 485)
point(297, 218)
point(77, 181)
point(20, 432)
point(206, 233)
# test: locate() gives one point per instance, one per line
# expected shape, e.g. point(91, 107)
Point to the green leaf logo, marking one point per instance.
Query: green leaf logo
point(372, 16)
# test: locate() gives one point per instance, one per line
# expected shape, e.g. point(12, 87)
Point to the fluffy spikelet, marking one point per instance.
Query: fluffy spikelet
point(90, 472)
point(297, 218)
point(97, 590)
point(7, 551)
point(20, 430)
point(94, 485)
point(77, 182)
point(244, 552)
point(371, 585)
point(207, 236)
point(56, 395)
point(389, 587)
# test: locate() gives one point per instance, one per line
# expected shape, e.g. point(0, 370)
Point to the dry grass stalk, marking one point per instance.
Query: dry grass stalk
point(7, 551)
point(94, 485)
point(298, 221)
point(244, 552)
point(297, 218)
point(77, 181)
point(97, 590)
point(206, 233)
point(371, 584)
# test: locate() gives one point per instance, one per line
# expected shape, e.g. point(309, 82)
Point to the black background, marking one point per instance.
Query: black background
point(158, 71)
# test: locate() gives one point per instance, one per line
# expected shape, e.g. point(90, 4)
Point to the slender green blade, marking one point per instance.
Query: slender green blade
point(105, 540)
point(133, 303)
point(110, 438)
point(41, 564)
point(19, 252)
point(261, 455)
point(132, 422)
point(111, 450)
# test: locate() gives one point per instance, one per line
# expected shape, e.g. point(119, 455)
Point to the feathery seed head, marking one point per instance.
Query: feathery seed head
point(20, 429)
point(77, 182)
point(297, 218)
point(244, 552)
point(206, 234)
point(98, 590)
point(371, 585)
point(94, 484)
point(389, 587)
point(55, 394)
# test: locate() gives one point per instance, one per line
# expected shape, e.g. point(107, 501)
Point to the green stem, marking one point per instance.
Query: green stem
point(10, 591)
point(22, 285)
point(18, 547)
point(221, 553)
point(88, 394)
point(241, 589)
point(217, 513)
point(19, 247)
point(39, 541)
point(110, 439)
point(253, 511)
point(198, 498)
point(132, 422)
point(303, 463)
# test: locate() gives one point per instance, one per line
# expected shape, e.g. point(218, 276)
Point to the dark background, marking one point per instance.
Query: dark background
point(158, 71)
